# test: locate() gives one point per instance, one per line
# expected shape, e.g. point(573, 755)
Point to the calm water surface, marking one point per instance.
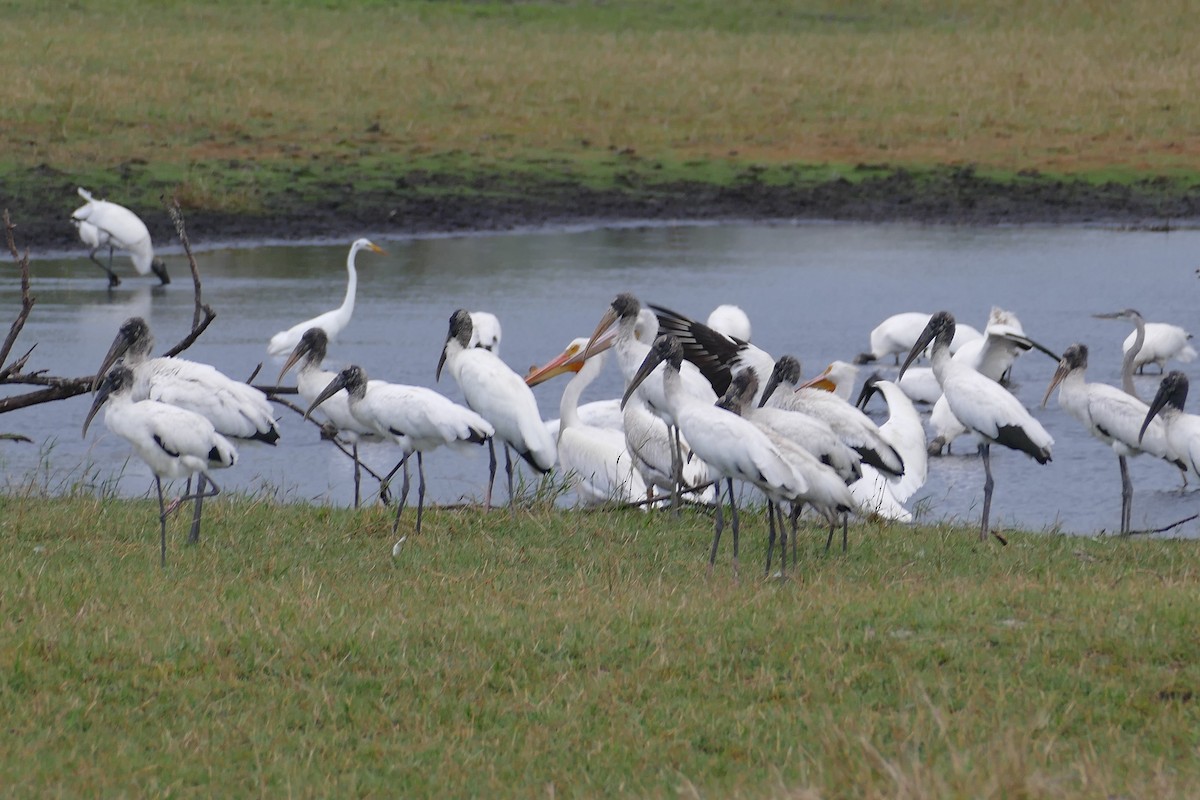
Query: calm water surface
point(814, 290)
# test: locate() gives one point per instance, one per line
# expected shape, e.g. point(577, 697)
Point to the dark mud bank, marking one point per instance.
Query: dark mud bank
point(427, 202)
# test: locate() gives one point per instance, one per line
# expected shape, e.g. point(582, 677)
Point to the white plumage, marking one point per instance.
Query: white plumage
point(882, 494)
point(500, 396)
point(1182, 430)
point(731, 321)
point(896, 334)
point(332, 322)
point(174, 442)
point(485, 331)
point(105, 224)
point(1163, 342)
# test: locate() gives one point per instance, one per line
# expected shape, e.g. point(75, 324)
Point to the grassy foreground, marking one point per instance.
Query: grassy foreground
point(315, 107)
point(584, 654)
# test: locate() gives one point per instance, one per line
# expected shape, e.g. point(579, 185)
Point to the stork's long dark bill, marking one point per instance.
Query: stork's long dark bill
point(441, 363)
point(769, 389)
point(119, 346)
point(335, 386)
point(919, 347)
point(653, 359)
point(101, 397)
point(1157, 405)
point(605, 334)
point(298, 352)
point(869, 388)
point(1063, 369)
point(1025, 343)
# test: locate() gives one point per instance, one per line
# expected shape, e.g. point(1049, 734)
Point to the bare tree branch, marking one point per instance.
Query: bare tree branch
point(177, 217)
point(27, 299)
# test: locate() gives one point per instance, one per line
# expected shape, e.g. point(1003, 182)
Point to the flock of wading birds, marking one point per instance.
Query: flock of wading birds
point(702, 408)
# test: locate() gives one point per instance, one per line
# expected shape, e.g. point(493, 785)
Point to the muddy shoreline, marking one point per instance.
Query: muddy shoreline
point(427, 203)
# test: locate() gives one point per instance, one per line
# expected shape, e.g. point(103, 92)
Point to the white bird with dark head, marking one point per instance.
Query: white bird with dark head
point(332, 322)
point(981, 404)
point(1182, 430)
point(174, 442)
point(1110, 415)
point(104, 224)
point(501, 397)
point(886, 495)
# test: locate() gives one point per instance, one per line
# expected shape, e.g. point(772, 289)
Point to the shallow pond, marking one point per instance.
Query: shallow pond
point(814, 290)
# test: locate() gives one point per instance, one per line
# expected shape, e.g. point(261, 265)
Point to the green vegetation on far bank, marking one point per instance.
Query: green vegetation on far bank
point(584, 654)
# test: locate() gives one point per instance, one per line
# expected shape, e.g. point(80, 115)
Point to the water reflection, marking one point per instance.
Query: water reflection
point(814, 290)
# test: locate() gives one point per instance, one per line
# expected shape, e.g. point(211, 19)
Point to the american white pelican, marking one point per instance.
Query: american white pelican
point(731, 446)
point(896, 334)
point(416, 418)
point(1182, 429)
point(852, 426)
point(485, 331)
point(886, 495)
point(311, 380)
point(731, 321)
point(104, 224)
point(983, 405)
point(332, 322)
point(827, 491)
point(1110, 415)
point(838, 378)
point(174, 442)
point(594, 460)
point(501, 397)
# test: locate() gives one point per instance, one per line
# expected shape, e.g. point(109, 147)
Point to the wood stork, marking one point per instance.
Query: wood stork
point(731, 446)
point(234, 408)
point(718, 356)
point(851, 425)
point(731, 321)
point(416, 418)
point(1182, 429)
point(105, 224)
point(984, 406)
point(485, 331)
point(174, 442)
point(896, 334)
point(827, 491)
point(332, 322)
point(311, 380)
point(501, 397)
point(1110, 415)
point(992, 356)
point(595, 460)
point(885, 495)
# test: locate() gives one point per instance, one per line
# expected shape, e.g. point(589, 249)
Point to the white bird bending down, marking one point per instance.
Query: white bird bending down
point(501, 397)
point(104, 224)
point(1110, 415)
point(311, 380)
point(416, 418)
point(485, 331)
point(885, 495)
point(332, 322)
point(174, 442)
point(1162, 343)
point(896, 334)
point(594, 460)
point(981, 404)
point(1182, 429)
point(731, 446)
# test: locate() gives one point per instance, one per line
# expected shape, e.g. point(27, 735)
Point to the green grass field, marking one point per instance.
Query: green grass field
point(231, 105)
point(584, 654)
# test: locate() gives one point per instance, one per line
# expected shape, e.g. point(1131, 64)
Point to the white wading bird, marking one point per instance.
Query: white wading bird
point(485, 331)
point(1110, 415)
point(880, 494)
point(332, 322)
point(1162, 343)
point(732, 447)
point(234, 408)
point(896, 334)
point(984, 406)
point(104, 224)
point(827, 491)
point(416, 418)
point(311, 380)
point(174, 442)
point(501, 397)
point(595, 460)
point(731, 321)
point(1182, 429)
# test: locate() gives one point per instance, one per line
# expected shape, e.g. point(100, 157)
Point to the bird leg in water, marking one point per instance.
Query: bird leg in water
point(1126, 497)
point(113, 280)
point(985, 453)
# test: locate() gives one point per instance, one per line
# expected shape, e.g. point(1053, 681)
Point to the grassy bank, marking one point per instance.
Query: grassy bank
point(297, 108)
point(584, 654)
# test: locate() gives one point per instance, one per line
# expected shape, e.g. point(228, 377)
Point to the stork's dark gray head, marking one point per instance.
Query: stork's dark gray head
point(786, 373)
point(740, 392)
point(665, 348)
point(1073, 358)
point(1172, 394)
point(626, 305)
point(133, 341)
point(939, 330)
point(353, 379)
point(311, 348)
point(116, 381)
point(461, 328)
point(869, 389)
